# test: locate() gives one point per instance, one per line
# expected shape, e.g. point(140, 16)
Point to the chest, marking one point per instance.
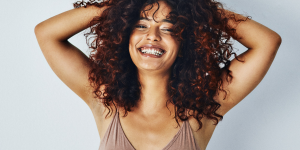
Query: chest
point(154, 134)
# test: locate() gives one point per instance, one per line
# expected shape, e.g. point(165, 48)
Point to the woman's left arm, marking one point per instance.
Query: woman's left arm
point(262, 44)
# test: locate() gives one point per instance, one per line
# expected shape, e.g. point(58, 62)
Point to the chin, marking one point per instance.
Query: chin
point(149, 67)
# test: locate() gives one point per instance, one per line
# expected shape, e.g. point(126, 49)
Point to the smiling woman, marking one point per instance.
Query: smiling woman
point(152, 46)
point(158, 64)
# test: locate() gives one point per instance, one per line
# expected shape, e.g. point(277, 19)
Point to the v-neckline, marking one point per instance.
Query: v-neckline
point(166, 147)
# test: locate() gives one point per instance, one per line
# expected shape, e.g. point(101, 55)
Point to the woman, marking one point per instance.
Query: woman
point(158, 64)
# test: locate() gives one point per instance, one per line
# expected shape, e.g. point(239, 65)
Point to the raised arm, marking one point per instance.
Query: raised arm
point(262, 44)
point(68, 62)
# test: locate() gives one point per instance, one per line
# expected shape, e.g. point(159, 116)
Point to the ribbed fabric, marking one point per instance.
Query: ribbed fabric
point(115, 139)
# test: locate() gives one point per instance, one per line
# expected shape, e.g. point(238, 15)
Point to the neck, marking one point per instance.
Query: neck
point(154, 94)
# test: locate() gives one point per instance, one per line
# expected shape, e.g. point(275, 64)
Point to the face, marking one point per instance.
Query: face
point(151, 45)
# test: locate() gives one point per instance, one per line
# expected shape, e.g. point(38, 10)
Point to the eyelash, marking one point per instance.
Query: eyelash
point(138, 26)
point(141, 26)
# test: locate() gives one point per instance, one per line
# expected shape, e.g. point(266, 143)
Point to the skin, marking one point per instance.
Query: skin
point(151, 118)
point(153, 72)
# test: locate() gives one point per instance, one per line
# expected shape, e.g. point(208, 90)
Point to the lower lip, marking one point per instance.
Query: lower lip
point(150, 55)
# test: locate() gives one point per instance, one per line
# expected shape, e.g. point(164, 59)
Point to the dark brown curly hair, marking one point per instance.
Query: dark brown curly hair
point(203, 30)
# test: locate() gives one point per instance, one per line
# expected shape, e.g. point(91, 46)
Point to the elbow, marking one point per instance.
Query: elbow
point(41, 35)
point(274, 42)
point(42, 31)
point(277, 43)
point(270, 44)
point(277, 40)
point(38, 31)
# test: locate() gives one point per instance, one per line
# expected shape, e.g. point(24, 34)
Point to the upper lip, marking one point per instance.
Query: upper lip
point(152, 46)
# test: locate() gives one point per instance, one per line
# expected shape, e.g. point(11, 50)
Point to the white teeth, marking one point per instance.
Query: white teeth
point(151, 51)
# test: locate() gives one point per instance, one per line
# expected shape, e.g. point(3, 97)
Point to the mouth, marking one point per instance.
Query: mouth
point(152, 51)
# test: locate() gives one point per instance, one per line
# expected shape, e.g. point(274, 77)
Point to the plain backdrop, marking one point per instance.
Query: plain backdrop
point(39, 112)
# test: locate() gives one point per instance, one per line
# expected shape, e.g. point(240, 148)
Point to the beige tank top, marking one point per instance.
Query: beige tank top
point(115, 139)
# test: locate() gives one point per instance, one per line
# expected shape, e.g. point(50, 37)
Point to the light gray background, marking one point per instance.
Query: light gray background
point(38, 112)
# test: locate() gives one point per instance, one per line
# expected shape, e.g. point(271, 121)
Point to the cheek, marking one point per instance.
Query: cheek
point(134, 40)
point(174, 44)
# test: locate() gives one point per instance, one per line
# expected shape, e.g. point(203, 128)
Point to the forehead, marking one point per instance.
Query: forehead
point(158, 11)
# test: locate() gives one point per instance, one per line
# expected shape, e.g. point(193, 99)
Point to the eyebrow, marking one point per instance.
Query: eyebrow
point(164, 20)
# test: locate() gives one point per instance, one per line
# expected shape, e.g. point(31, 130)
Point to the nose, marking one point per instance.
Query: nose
point(153, 35)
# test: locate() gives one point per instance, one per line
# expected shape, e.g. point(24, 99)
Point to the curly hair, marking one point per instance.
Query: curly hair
point(203, 30)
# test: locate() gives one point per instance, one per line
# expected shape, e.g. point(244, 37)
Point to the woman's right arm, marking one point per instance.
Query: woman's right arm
point(67, 61)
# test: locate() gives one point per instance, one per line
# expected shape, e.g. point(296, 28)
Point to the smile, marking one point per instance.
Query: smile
point(154, 51)
point(151, 52)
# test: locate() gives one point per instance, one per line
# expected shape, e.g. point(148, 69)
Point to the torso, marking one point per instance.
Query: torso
point(149, 133)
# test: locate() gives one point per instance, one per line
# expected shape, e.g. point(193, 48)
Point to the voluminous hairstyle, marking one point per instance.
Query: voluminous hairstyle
point(203, 30)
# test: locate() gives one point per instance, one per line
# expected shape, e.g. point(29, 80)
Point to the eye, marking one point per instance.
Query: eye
point(140, 26)
point(168, 30)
